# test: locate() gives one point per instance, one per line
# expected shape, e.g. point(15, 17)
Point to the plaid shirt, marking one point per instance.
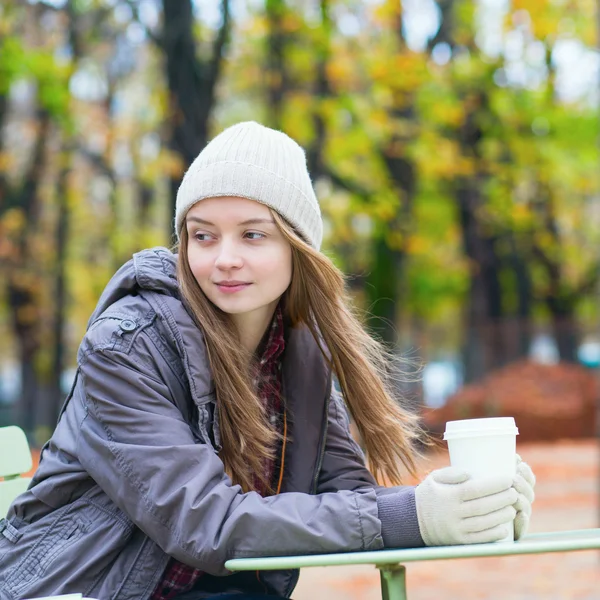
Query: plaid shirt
point(179, 578)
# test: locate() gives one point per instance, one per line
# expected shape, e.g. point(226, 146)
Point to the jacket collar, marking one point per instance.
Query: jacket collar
point(152, 274)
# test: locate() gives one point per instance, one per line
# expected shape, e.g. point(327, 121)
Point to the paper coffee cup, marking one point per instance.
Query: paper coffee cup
point(484, 448)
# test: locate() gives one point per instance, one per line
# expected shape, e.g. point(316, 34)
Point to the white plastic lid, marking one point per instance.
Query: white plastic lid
point(480, 427)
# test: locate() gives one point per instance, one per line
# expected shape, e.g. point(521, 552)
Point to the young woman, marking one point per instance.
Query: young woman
point(203, 423)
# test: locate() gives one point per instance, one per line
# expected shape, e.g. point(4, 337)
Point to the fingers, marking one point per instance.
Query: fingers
point(490, 535)
point(522, 504)
point(478, 488)
point(489, 504)
point(521, 525)
point(450, 475)
point(489, 521)
point(523, 482)
point(524, 489)
point(524, 470)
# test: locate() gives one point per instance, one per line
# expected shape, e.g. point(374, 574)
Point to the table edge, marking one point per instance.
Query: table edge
point(529, 545)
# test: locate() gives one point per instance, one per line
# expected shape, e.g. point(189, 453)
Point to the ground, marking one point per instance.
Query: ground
point(567, 497)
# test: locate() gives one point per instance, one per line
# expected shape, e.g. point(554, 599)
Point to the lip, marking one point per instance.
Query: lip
point(231, 287)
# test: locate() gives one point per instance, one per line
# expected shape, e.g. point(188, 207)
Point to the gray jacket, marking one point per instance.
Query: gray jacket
point(131, 475)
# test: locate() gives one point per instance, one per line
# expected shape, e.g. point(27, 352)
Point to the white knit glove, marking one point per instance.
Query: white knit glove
point(454, 509)
point(523, 483)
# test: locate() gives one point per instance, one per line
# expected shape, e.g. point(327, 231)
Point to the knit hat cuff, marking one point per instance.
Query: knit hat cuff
point(240, 179)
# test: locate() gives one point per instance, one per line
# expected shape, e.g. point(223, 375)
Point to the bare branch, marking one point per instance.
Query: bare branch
point(346, 184)
point(589, 282)
point(216, 60)
point(151, 35)
point(31, 181)
point(98, 161)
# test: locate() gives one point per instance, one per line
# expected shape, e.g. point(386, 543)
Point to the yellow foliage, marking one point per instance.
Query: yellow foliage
point(546, 241)
point(291, 22)
point(548, 19)
point(338, 204)
point(395, 240)
point(533, 7)
point(14, 221)
point(297, 119)
point(448, 114)
point(441, 158)
point(418, 245)
point(6, 162)
point(341, 71)
point(402, 71)
point(381, 119)
point(388, 11)
point(379, 69)
point(544, 26)
point(383, 211)
point(172, 163)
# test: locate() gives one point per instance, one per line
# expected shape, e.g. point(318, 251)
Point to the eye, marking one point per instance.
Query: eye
point(255, 235)
point(202, 237)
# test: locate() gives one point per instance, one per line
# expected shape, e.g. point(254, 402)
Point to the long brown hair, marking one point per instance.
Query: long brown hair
point(317, 299)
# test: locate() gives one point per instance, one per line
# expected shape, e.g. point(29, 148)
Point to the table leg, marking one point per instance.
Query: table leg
point(393, 582)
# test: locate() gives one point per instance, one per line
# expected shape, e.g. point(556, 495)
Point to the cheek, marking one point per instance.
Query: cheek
point(199, 266)
point(280, 269)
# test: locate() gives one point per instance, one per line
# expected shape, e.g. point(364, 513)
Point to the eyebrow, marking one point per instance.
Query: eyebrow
point(247, 222)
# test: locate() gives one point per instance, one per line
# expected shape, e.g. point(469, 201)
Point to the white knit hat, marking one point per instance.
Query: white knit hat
point(255, 162)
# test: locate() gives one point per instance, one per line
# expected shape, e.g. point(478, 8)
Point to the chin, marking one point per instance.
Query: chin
point(234, 311)
point(233, 308)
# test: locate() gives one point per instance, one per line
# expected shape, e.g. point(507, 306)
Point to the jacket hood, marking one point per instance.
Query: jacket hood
point(153, 270)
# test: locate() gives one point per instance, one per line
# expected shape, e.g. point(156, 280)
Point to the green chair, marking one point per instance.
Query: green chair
point(15, 459)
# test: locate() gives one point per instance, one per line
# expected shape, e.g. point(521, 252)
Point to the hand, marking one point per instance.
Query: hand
point(523, 483)
point(454, 509)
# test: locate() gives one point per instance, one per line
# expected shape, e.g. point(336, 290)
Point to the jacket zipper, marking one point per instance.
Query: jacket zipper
point(323, 441)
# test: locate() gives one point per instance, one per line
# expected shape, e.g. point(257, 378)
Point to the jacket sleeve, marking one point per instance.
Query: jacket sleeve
point(344, 468)
point(136, 445)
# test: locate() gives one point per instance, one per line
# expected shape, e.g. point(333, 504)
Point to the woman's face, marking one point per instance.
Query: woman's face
point(238, 256)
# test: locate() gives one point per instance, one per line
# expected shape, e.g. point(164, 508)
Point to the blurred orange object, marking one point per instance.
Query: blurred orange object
point(548, 402)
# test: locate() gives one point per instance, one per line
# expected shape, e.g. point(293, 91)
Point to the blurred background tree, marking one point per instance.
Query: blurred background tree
point(453, 147)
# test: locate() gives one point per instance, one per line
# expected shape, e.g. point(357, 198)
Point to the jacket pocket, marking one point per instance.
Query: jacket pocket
point(68, 551)
point(66, 530)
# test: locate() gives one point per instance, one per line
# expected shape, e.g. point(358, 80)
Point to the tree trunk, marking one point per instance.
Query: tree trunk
point(560, 296)
point(22, 279)
point(524, 291)
point(62, 235)
point(322, 92)
point(191, 80)
point(384, 283)
point(145, 197)
point(483, 347)
point(567, 337)
point(564, 328)
point(389, 255)
point(382, 289)
point(276, 71)
point(29, 401)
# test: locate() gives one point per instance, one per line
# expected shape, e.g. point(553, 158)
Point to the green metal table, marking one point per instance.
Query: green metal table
point(390, 562)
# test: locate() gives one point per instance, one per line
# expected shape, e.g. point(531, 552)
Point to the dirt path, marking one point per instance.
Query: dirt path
point(567, 498)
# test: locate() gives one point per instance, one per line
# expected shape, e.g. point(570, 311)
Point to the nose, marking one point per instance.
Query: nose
point(228, 256)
